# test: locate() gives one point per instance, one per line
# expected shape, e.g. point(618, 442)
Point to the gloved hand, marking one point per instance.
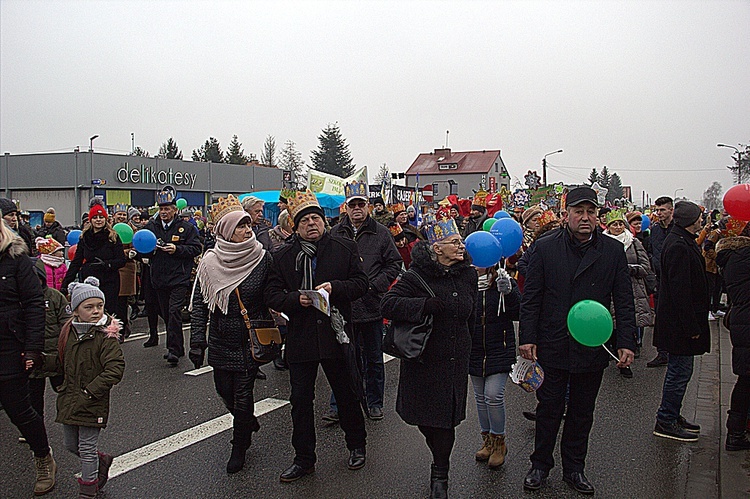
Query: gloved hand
point(196, 355)
point(504, 286)
point(132, 254)
point(634, 269)
point(98, 263)
point(35, 360)
point(433, 305)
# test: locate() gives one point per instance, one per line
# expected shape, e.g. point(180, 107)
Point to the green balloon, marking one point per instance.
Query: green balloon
point(182, 203)
point(487, 225)
point(590, 323)
point(125, 232)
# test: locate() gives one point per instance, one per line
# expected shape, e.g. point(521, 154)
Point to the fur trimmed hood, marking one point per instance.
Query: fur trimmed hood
point(733, 243)
point(421, 257)
point(17, 247)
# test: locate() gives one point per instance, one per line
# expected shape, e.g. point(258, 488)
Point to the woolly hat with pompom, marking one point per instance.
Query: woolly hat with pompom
point(49, 216)
point(82, 291)
point(97, 208)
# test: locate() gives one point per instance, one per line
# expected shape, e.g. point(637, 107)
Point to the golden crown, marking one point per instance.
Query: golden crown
point(398, 208)
point(301, 200)
point(441, 229)
point(480, 198)
point(546, 217)
point(224, 206)
point(395, 229)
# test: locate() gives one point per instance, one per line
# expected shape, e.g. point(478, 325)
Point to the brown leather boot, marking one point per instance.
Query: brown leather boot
point(483, 454)
point(46, 468)
point(499, 450)
point(87, 490)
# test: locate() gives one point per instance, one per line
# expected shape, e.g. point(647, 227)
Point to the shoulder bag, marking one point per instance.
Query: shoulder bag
point(407, 340)
point(265, 339)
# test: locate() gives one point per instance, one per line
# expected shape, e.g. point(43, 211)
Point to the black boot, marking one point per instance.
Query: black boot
point(438, 482)
point(736, 437)
point(241, 441)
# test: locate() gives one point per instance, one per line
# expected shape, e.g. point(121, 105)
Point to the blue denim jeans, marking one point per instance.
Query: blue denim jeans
point(82, 441)
point(489, 392)
point(679, 372)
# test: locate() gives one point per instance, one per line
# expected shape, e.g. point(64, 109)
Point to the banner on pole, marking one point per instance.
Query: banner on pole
point(331, 184)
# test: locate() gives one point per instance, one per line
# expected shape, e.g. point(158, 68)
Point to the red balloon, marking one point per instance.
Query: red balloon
point(737, 202)
point(72, 252)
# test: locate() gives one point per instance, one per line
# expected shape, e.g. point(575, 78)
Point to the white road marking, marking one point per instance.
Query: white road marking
point(140, 336)
point(156, 450)
point(199, 371)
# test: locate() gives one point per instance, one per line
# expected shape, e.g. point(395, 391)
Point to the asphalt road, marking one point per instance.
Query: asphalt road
point(155, 401)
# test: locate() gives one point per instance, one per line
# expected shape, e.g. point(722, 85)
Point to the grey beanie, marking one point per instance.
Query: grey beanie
point(686, 213)
point(132, 212)
point(81, 291)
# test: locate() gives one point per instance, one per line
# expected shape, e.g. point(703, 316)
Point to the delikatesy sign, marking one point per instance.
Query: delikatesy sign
point(149, 175)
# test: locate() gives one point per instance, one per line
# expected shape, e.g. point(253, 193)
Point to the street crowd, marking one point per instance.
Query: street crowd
point(377, 266)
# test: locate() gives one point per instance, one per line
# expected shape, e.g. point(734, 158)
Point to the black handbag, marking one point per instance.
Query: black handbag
point(407, 340)
point(265, 338)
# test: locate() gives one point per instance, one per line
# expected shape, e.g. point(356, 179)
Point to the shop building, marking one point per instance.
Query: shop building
point(67, 181)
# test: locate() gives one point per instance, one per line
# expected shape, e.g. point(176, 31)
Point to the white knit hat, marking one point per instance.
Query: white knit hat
point(82, 291)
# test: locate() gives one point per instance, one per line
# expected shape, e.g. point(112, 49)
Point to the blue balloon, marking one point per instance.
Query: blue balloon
point(484, 249)
point(645, 223)
point(502, 214)
point(509, 234)
point(144, 241)
point(73, 237)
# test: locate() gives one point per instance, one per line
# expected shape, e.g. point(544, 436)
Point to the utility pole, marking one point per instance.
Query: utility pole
point(544, 166)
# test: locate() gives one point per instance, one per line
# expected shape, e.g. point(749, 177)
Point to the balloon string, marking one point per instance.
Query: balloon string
point(613, 355)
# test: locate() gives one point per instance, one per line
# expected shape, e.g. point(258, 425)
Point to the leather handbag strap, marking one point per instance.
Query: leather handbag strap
point(243, 310)
point(424, 284)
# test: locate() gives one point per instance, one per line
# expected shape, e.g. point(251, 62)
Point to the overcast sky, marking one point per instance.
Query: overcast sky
point(646, 88)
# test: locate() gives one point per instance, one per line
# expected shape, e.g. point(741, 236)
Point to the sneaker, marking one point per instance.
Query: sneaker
point(688, 426)
point(661, 359)
point(674, 431)
point(331, 417)
point(375, 413)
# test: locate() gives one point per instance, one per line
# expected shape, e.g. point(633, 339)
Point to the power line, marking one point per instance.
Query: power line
point(641, 169)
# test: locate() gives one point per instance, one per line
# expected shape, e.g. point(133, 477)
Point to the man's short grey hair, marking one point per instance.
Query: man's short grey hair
point(285, 220)
point(249, 202)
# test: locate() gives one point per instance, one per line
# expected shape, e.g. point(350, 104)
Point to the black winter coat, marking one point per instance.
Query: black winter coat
point(658, 236)
point(173, 270)
point(561, 273)
point(493, 341)
point(433, 392)
point(21, 310)
point(682, 308)
point(310, 336)
point(381, 262)
point(55, 230)
point(97, 256)
point(228, 347)
point(733, 258)
point(28, 237)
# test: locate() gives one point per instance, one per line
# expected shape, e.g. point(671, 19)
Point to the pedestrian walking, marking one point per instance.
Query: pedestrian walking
point(53, 261)
point(229, 287)
point(128, 272)
point(681, 319)
point(566, 266)
point(21, 347)
point(432, 392)
point(92, 362)
point(659, 231)
point(315, 259)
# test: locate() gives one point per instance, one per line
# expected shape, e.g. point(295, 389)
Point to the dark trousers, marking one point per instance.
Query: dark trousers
point(656, 306)
point(583, 389)
point(171, 302)
point(370, 335)
point(440, 441)
point(302, 377)
point(738, 410)
point(36, 391)
point(122, 313)
point(236, 391)
point(715, 284)
point(14, 397)
point(679, 372)
point(151, 301)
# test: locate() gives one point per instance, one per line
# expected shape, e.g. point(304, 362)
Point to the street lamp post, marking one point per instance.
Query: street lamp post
point(91, 142)
point(675, 193)
point(738, 160)
point(544, 166)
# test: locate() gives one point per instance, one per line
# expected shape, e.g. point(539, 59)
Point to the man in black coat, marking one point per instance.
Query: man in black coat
point(382, 263)
point(11, 216)
point(659, 231)
point(569, 265)
point(314, 259)
point(681, 327)
point(171, 264)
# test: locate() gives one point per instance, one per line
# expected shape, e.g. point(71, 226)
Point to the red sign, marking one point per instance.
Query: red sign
point(427, 193)
point(493, 185)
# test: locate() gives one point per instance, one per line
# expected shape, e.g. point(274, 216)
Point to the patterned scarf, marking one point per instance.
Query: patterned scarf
point(304, 263)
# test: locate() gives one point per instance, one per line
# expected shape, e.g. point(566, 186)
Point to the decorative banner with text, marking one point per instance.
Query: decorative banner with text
point(331, 184)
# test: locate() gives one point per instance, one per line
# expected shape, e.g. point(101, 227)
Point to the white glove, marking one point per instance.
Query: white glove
point(132, 253)
point(504, 285)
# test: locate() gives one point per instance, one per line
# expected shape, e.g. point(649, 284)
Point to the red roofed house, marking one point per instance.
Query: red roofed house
point(459, 173)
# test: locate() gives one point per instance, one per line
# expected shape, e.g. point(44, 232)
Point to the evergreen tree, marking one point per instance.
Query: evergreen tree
point(235, 154)
point(383, 176)
point(741, 168)
point(141, 152)
point(169, 150)
point(615, 188)
point(605, 178)
point(210, 151)
point(268, 156)
point(593, 177)
point(291, 159)
point(712, 197)
point(332, 155)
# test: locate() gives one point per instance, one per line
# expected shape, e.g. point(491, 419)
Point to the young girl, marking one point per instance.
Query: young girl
point(93, 363)
point(51, 254)
point(493, 351)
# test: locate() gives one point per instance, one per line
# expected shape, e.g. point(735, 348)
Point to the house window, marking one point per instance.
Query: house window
point(495, 167)
point(448, 166)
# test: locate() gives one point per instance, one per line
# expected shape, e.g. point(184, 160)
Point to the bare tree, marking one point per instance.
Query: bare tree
point(712, 197)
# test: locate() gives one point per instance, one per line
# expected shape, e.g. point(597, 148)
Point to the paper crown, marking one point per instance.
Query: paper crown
point(120, 207)
point(356, 190)
point(224, 206)
point(47, 245)
point(285, 194)
point(734, 227)
point(546, 217)
point(398, 208)
point(441, 229)
point(614, 216)
point(480, 198)
point(165, 197)
point(342, 208)
point(395, 229)
point(301, 200)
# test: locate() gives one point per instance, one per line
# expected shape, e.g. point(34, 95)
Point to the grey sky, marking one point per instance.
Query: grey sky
point(633, 85)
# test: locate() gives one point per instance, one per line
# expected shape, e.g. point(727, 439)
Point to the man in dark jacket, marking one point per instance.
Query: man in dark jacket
point(314, 259)
point(569, 265)
point(51, 227)
point(659, 231)
point(681, 318)
point(382, 263)
point(171, 265)
point(11, 216)
point(477, 216)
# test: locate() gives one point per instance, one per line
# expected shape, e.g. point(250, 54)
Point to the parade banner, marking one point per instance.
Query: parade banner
point(375, 192)
point(331, 184)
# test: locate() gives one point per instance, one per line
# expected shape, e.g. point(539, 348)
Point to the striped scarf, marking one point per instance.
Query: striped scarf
point(304, 263)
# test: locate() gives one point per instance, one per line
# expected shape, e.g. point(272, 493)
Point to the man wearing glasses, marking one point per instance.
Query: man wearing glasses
point(382, 263)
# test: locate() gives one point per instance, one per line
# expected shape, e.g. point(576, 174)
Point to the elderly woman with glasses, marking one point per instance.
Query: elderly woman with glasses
point(432, 391)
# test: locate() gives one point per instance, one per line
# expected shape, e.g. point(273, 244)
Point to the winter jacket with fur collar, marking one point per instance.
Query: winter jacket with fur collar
point(733, 258)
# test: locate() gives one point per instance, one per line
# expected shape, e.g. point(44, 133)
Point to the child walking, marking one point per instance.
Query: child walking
point(51, 255)
point(92, 361)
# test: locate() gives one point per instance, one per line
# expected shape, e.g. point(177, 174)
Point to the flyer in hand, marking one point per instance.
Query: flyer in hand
point(319, 299)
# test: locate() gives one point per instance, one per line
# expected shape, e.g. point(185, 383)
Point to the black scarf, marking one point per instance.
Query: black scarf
point(304, 263)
